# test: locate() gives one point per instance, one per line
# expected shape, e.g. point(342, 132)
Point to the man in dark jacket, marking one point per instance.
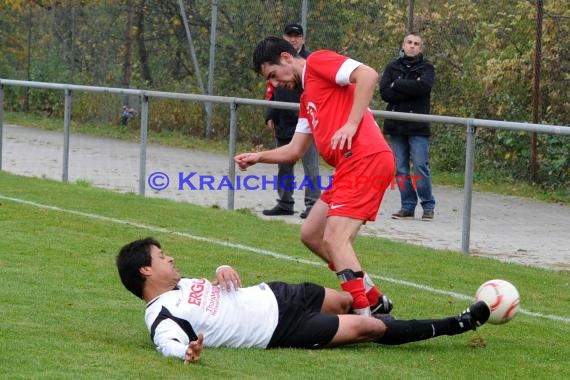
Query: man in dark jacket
point(406, 86)
point(283, 122)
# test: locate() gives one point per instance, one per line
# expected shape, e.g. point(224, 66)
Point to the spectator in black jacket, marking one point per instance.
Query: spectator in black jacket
point(406, 86)
point(283, 122)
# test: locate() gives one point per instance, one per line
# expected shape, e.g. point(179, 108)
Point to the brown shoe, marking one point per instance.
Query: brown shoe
point(403, 214)
point(428, 215)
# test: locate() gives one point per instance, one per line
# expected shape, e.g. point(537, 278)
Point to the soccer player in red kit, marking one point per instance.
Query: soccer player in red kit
point(334, 113)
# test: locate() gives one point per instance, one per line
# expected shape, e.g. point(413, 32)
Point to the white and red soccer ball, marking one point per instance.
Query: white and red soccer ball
point(503, 299)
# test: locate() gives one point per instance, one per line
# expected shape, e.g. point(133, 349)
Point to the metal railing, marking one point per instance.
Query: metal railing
point(470, 124)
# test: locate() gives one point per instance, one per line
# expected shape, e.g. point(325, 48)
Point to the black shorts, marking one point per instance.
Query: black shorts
point(301, 323)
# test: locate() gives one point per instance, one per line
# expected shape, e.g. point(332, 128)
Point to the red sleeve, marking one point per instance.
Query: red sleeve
point(269, 91)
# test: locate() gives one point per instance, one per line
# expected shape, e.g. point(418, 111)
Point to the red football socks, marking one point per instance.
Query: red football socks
point(356, 289)
point(372, 292)
point(373, 296)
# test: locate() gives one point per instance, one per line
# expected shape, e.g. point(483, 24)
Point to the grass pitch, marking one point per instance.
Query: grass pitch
point(65, 313)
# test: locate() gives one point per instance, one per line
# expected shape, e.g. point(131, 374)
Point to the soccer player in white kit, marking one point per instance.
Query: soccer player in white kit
point(185, 314)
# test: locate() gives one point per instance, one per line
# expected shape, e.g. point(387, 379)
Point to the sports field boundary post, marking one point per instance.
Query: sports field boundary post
point(468, 186)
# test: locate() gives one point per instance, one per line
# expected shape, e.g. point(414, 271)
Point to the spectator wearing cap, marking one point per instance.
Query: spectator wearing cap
point(296, 37)
point(283, 123)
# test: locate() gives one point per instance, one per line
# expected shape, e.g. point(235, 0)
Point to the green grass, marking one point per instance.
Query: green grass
point(65, 314)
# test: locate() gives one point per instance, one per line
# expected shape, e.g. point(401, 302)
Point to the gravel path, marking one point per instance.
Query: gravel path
point(507, 228)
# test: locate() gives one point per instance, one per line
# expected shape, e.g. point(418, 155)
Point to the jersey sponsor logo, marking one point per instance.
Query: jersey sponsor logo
point(196, 292)
point(214, 304)
point(312, 112)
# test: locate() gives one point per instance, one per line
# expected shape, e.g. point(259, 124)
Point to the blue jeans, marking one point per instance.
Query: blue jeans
point(416, 150)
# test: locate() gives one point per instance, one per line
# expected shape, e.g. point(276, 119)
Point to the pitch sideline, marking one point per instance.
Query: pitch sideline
point(260, 251)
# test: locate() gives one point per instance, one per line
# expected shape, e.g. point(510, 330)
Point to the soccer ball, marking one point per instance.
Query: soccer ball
point(503, 299)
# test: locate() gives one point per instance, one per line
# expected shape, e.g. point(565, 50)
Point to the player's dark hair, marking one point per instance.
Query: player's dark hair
point(130, 259)
point(269, 51)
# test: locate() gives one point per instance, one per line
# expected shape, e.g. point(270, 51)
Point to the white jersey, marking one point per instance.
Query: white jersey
point(246, 317)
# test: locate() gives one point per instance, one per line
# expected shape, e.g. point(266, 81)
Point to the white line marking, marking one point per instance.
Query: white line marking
point(263, 252)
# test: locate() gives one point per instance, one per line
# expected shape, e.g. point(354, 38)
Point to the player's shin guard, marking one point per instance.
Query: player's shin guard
point(352, 283)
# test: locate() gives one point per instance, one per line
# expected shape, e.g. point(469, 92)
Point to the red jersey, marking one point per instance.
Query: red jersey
point(326, 103)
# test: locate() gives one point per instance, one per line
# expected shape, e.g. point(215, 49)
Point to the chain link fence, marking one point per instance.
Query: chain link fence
point(483, 52)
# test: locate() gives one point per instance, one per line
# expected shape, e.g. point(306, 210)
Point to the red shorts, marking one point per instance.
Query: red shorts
point(358, 188)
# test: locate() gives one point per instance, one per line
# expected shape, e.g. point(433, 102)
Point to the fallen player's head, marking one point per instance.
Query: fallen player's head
point(131, 258)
